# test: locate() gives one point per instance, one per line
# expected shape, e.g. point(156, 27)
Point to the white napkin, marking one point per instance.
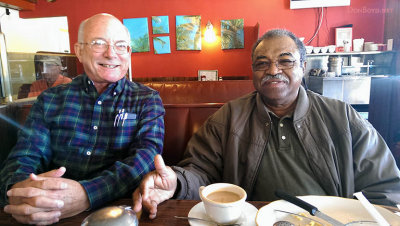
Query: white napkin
point(371, 209)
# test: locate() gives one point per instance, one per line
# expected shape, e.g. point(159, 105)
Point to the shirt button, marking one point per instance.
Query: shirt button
point(115, 93)
point(298, 126)
point(267, 124)
point(88, 153)
point(283, 137)
point(99, 102)
point(95, 127)
point(281, 124)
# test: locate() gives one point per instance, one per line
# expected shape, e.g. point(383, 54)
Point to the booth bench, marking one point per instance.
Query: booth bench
point(187, 105)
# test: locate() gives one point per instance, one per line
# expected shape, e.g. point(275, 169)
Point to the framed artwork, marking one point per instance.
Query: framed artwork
point(343, 35)
point(161, 45)
point(208, 75)
point(160, 24)
point(139, 31)
point(188, 33)
point(232, 34)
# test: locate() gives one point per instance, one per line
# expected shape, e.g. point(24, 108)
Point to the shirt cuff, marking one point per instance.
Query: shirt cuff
point(181, 189)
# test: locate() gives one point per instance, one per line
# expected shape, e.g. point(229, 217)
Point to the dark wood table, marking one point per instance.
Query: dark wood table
point(165, 215)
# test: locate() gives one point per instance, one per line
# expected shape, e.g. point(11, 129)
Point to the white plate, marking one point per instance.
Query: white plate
point(342, 209)
point(247, 219)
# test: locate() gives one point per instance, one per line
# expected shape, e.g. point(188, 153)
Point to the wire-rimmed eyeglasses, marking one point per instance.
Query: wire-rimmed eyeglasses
point(100, 46)
point(281, 64)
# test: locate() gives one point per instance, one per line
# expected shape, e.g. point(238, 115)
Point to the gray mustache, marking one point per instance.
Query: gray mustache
point(277, 76)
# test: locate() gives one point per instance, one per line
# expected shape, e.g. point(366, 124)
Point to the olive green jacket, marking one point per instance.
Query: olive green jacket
point(345, 152)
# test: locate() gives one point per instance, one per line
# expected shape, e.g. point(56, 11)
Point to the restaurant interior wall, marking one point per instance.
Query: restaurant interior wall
point(366, 16)
point(392, 27)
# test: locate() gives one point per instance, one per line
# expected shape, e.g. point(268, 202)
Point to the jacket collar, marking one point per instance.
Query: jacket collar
point(302, 106)
point(262, 110)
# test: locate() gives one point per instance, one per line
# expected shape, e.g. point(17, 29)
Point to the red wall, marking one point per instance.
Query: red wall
point(367, 17)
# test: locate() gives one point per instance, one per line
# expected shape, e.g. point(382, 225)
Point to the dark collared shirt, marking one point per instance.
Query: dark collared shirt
point(284, 163)
point(106, 141)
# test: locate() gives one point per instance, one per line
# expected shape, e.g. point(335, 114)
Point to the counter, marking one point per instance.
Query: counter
point(350, 89)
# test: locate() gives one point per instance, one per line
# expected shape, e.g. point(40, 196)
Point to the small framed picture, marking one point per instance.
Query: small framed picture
point(208, 75)
point(343, 36)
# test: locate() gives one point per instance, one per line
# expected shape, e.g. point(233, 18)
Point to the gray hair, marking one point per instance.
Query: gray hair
point(282, 33)
point(81, 31)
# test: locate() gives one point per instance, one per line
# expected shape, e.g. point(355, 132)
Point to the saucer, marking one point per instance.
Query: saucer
point(247, 219)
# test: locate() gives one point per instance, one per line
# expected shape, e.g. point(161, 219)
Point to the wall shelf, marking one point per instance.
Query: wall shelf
point(370, 63)
point(354, 84)
point(348, 53)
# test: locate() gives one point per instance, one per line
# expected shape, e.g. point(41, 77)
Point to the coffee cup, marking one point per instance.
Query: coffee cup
point(223, 202)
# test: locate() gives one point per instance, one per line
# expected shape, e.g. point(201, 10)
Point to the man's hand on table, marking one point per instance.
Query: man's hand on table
point(44, 199)
point(156, 187)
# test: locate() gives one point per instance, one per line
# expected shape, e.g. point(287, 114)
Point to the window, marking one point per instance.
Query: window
point(35, 55)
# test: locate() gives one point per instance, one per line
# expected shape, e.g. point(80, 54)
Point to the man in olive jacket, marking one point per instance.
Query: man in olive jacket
point(280, 137)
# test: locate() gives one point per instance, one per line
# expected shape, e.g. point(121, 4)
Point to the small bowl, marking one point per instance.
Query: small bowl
point(317, 49)
point(331, 48)
point(324, 49)
point(309, 49)
point(110, 216)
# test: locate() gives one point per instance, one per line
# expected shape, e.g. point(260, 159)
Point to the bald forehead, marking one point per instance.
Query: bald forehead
point(101, 25)
point(101, 18)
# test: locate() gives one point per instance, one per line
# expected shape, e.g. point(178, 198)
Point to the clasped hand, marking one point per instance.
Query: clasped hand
point(45, 198)
point(156, 187)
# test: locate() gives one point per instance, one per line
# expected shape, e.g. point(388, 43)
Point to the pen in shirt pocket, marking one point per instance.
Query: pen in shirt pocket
point(118, 117)
point(122, 116)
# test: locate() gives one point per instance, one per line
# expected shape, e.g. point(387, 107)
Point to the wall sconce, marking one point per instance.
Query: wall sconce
point(209, 34)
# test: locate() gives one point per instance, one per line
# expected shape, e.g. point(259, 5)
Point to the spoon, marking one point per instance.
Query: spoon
point(204, 220)
point(283, 223)
point(287, 223)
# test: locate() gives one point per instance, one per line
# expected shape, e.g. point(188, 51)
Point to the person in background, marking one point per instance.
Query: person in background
point(88, 142)
point(49, 69)
point(280, 137)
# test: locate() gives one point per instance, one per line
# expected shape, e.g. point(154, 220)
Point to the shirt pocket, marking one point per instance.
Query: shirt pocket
point(124, 131)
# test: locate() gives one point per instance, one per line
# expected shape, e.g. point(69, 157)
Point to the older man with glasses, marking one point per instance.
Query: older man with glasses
point(88, 142)
point(280, 137)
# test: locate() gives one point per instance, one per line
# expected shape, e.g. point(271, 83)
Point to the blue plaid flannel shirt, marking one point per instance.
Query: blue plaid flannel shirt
point(107, 142)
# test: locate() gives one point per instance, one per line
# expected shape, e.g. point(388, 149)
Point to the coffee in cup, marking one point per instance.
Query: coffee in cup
point(223, 196)
point(223, 202)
